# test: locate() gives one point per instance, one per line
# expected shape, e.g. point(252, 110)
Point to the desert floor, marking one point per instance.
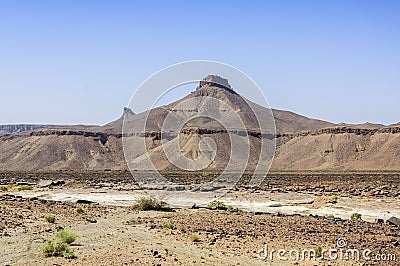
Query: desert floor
point(290, 212)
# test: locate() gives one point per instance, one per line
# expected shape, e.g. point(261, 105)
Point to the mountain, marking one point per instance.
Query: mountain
point(291, 122)
point(302, 143)
point(218, 88)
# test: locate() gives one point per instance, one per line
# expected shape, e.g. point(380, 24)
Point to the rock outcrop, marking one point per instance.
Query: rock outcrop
point(215, 81)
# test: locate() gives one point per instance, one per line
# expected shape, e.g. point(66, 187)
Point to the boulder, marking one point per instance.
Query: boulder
point(46, 183)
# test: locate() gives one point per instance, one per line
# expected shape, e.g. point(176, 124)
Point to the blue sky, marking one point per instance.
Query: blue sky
point(70, 62)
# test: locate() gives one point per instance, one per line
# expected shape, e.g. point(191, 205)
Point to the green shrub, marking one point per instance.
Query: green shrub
point(169, 225)
point(25, 187)
point(80, 210)
point(334, 199)
point(64, 250)
point(50, 219)
point(182, 229)
point(6, 187)
point(47, 249)
point(57, 249)
point(356, 216)
point(133, 220)
point(217, 205)
point(66, 236)
point(149, 204)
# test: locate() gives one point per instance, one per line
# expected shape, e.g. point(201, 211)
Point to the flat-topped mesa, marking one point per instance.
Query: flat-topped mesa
point(216, 81)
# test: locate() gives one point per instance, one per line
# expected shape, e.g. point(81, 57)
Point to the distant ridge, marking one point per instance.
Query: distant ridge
point(11, 129)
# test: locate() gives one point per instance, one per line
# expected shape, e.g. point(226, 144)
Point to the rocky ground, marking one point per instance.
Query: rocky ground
point(368, 184)
point(116, 235)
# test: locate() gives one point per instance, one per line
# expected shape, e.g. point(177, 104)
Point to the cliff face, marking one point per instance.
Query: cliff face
point(340, 149)
point(61, 149)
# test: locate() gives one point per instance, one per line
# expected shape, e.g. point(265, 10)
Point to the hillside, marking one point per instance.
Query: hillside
point(340, 148)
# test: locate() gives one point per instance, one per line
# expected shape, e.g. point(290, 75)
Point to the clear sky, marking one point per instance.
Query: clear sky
point(71, 62)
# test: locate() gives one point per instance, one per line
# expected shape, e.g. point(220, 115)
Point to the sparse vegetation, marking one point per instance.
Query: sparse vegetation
point(57, 249)
point(6, 187)
point(80, 210)
point(149, 204)
point(333, 199)
point(61, 247)
point(48, 248)
point(50, 219)
point(25, 187)
point(66, 236)
point(169, 225)
point(182, 229)
point(356, 216)
point(217, 205)
point(194, 237)
point(20, 216)
point(133, 220)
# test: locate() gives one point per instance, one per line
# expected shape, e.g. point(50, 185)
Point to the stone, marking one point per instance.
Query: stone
point(83, 201)
point(394, 221)
point(176, 188)
point(91, 220)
